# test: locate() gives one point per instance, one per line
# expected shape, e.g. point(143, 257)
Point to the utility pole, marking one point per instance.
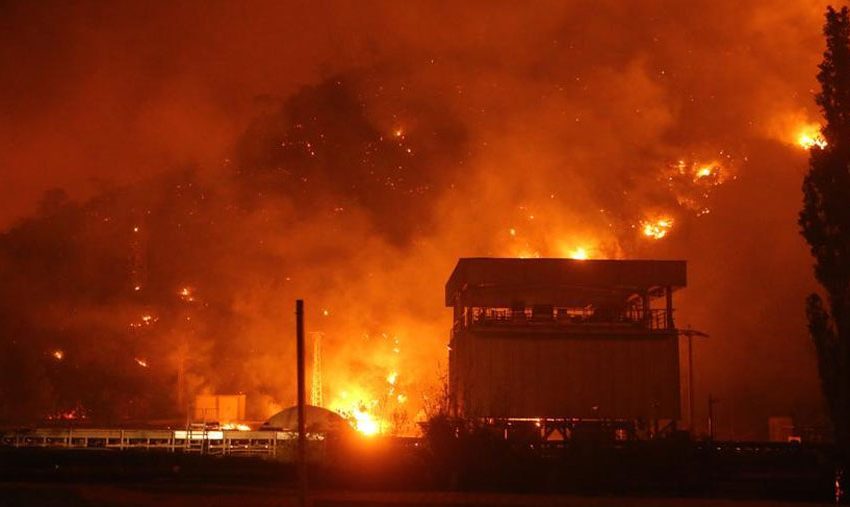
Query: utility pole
point(711, 402)
point(302, 436)
point(691, 384)
point(690, 334)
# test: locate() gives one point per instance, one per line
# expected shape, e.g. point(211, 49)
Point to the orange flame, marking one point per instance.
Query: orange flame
point(809, 136)
point(579, 253)
point(656, 229)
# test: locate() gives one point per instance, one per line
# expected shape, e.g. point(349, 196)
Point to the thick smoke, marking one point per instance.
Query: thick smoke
point(348, 154)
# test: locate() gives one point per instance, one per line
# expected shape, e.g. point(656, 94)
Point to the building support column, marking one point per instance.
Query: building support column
point(668, 292)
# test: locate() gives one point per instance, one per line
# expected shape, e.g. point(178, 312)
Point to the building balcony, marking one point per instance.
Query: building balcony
point(568, 320)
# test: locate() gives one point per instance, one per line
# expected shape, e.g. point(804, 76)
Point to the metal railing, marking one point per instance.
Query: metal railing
point(221, 442)
point(655, 319)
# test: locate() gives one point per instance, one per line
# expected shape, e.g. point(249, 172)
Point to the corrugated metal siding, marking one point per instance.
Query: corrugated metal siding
point(514, 375)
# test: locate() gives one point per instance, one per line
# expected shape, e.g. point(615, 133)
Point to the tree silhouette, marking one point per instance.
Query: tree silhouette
point(825, 224)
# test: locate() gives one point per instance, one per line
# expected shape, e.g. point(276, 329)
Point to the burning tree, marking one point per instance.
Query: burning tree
point(825, 224)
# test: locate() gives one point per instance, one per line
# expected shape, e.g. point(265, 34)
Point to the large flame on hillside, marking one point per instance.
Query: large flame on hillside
point(207, 186)
point(657, 228)
point(809, 136)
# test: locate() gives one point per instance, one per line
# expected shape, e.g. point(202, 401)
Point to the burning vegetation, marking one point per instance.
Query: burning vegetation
point(227, 183)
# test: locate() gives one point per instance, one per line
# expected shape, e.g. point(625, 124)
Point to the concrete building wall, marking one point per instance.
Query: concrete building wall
point(516, 375)
point(219, 407)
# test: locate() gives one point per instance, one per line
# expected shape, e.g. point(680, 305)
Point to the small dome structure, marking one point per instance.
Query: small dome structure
point(317, 420)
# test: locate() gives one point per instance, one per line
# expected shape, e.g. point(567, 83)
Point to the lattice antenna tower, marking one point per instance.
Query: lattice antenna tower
point(316, 393)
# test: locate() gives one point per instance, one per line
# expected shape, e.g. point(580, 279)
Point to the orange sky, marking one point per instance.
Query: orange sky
point(561, 121)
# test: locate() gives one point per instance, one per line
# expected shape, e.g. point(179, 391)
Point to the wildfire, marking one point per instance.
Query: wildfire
point(656, 229)
point(699, 172)
point(692, 181)
point(145, 320)
point(78, 412)
point(186, 294)
point(362, 410)
point(235, 427)
point(364, 422)
point(528, 254)
point(810, 137)
point(392, 377)
point(579, 253)
point(705, 171)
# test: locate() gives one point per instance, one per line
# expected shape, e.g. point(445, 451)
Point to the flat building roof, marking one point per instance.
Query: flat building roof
point(492, 281)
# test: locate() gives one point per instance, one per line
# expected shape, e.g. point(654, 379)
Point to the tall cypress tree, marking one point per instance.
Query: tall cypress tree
point(825, 224)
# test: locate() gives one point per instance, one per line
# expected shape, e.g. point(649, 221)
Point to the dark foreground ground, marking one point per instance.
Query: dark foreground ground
point(474, 474)
point(208, 495)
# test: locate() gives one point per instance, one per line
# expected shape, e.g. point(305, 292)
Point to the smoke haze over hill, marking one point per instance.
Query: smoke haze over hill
point(175, 175)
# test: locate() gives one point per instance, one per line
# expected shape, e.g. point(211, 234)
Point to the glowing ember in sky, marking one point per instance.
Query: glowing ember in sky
point(186, 294)
point(656, 229)
point(58, 354)
point(141, 361)
point(145, 320)
point(392, 377)
point(810, 137)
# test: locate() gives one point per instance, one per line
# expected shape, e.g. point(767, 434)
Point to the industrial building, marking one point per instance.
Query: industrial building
point(564, 340)
point(275, 439)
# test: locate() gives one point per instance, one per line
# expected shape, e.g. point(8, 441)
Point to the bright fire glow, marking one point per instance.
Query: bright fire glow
point(705, 171)
point(235, 426)
point(356, 405)
point(365, 423)
point(579, 253)
point(371, 411)
point(186, 294)
point(656, 229)
point(58, 354)
point(141, 361)
point(810, 136)
point(145, 320)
